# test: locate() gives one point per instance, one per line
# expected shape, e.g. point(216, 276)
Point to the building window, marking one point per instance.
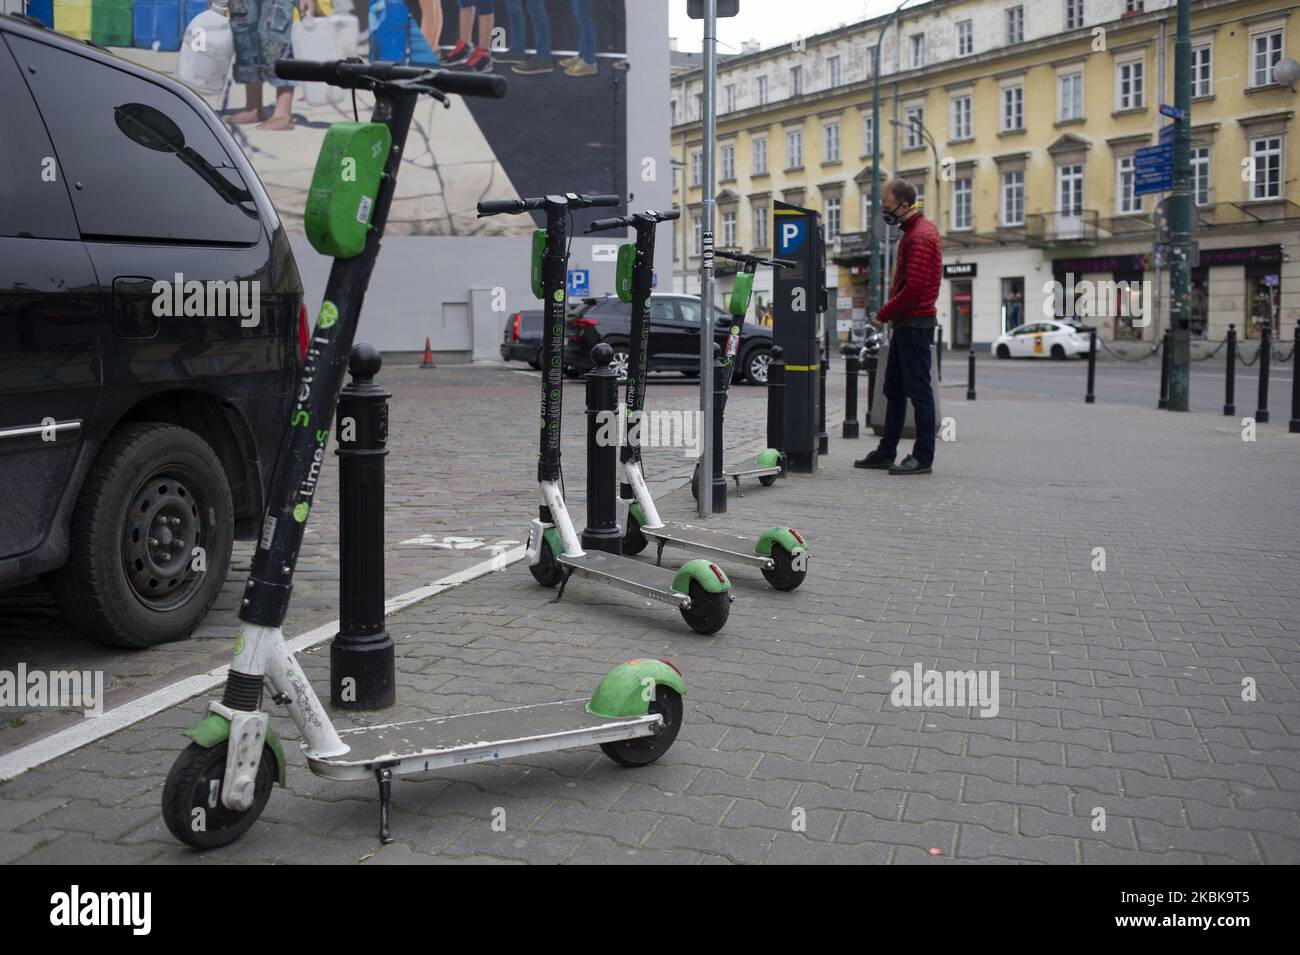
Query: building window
point(965, 38)
point(1129, 85)
point(699, 105)
point(831, 142)
point(760, 227)
point(871, 61)
point(729, 98)
point(1013, 108)
point(1126, 198)
point(1069, 87)
point(1073, 14)
point(672, 110)
point(915, 122)
point(796, 81)
point(1069, 201)
point(833, 70)
point(920, 193)
point(759, 150)
point(1266, 50)
point(1133, 6)
point(1201, 175)
point(1015, 25)
point(697, 236)
point(729, 229)
point(832, 213)
point(868, 143)
point(961, 203)
point(762, 91)
point(867, 222)
point(1013, 198)
point(1013, 303)
point(794, 149)
point(961, 117)
point(1202, 71)
point(696, 158)
point(918, 50)
point(728, 161)
point(1266, 156)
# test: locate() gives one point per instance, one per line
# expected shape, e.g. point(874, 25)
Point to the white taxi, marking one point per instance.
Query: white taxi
point(1043, 340)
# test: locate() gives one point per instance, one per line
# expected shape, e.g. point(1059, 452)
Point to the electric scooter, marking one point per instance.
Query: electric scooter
point(769, 464)
point(780, 553)
point(699, 589)
point(221, 782)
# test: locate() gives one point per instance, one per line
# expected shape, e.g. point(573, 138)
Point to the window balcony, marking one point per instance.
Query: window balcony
point(1061, 228)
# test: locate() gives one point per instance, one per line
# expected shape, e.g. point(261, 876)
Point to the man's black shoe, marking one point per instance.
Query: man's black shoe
point(909, 465)
point(874, 461)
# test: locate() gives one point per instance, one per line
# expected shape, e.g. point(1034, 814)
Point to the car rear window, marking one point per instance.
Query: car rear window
point(139, 161)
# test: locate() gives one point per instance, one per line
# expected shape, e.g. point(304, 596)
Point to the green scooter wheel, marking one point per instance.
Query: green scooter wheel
point(708, 611)
point(191, 801)
point(784, 575)
point(634, 541)
point(547, 571)
point(640, 752)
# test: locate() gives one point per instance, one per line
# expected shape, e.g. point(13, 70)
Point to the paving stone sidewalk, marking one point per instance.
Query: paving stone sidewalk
point(1120, 691)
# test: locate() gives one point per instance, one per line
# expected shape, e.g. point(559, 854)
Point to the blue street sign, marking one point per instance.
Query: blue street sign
point(1167, 134)
point(579, 283)
point(1153, 169)
point(1173, 112)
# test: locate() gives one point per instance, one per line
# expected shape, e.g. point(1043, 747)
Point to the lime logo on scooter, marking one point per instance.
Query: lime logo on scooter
point(300, 511)
point(559, 295)
point(329, 314)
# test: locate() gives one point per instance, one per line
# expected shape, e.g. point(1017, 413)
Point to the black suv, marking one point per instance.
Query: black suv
point(674, 337)
point(151, 333)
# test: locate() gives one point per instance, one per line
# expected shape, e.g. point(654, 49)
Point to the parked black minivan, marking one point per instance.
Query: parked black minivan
point(151, 332)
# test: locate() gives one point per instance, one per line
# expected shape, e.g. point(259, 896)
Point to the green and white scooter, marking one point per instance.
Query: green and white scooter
point(769, 464)
point(221, 782)
point(779, 552)
point(699, 589)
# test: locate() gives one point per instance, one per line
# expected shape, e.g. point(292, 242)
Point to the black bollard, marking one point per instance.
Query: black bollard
point(970, 375)
point(938, 354)
point(601, 532)
point(1230, 379)
point(850, 429)
point(719, 411)
point(361, 655)
point(823, 439)
point(1295, 382)
point(1091, 396)
point(1265, 355)
point(1166, 361)
point(776, 402)
point(873, 363)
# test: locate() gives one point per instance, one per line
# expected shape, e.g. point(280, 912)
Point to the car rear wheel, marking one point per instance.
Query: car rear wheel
point(1058, 352)
point(1003, 351)
point(151, 538)
point(755, 365)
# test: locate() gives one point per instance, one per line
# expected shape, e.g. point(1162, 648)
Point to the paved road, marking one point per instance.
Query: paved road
point(1147, 711)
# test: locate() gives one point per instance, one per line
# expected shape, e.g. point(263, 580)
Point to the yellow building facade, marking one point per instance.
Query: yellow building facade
point(1020, 125)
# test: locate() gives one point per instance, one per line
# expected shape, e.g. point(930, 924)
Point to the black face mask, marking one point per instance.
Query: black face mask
point(890, 217)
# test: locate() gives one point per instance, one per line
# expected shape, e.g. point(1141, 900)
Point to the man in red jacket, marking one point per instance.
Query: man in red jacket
point(911, 312)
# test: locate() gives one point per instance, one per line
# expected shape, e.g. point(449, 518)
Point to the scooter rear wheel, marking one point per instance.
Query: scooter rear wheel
point(191, 801)
point(784, 576)
point(640, 752)
point(767, 480)
point(708, 611)
point(547, 571)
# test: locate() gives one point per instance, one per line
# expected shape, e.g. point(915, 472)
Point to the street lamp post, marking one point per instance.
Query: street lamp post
point(874, 278)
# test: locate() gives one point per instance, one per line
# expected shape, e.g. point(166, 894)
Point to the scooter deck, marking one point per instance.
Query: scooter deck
point(627, 574)
point(734, 547)
point(740, 471)
point(417, 746)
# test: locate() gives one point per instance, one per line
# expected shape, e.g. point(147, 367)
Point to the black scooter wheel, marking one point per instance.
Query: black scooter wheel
point(708, 611)
point(784, 576)
point(634, 541)
point(695, 484)
point(645, 750)
point(191, 801)
point(547, 571)
point(767, 480)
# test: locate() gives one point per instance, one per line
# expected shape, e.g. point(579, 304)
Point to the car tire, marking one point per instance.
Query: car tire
point(1058, 353)
point(120, 585)
point(754, 368)
point(1003, 351)
point(536, 361)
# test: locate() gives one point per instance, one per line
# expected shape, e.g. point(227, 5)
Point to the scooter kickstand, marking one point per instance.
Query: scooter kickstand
point(384, 776)
point(739, 492)
point(659, 556)
point(564, 582)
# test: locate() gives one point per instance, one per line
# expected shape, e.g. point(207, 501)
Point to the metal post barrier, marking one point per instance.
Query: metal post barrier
point(1091, 396)
point(850, 429)
point(776, 400)
point(719, 411)
point(601, 532)
point(1265, 354)
point(1230, 380)
point(1295, 383)
point(362, 674)
point(1166, 362)
point(823, 439)
point(970, 374)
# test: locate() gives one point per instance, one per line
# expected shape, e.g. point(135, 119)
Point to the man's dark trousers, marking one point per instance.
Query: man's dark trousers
point(907, 378)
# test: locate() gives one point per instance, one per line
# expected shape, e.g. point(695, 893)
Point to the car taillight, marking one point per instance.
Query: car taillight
point(518, 316)
point(304, 333)
point(584, 322)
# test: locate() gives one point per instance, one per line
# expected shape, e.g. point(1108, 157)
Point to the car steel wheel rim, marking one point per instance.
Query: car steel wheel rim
point(163, 525)
point(758, 368)
point(619, 364)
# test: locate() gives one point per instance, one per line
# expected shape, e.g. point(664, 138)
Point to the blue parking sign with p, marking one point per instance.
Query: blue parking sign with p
point(789, 234)
point(579, 283)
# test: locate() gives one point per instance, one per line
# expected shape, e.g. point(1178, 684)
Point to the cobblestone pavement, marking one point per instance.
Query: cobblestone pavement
point(1121, 732)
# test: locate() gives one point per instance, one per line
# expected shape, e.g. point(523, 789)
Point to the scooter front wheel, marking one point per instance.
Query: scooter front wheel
point(634, 539)
point(785, 575)
point(646, 749)
point(708, 611)
point(547, 571)
point(191, 800)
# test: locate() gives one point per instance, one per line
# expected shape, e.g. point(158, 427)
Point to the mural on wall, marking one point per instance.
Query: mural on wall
point(561, 127)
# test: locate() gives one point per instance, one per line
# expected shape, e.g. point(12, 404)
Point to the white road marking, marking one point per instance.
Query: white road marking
point(120, 717)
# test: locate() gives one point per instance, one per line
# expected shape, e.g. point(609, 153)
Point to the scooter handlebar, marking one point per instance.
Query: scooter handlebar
point(496, 207)
point(604, 225)
point(357, 74)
